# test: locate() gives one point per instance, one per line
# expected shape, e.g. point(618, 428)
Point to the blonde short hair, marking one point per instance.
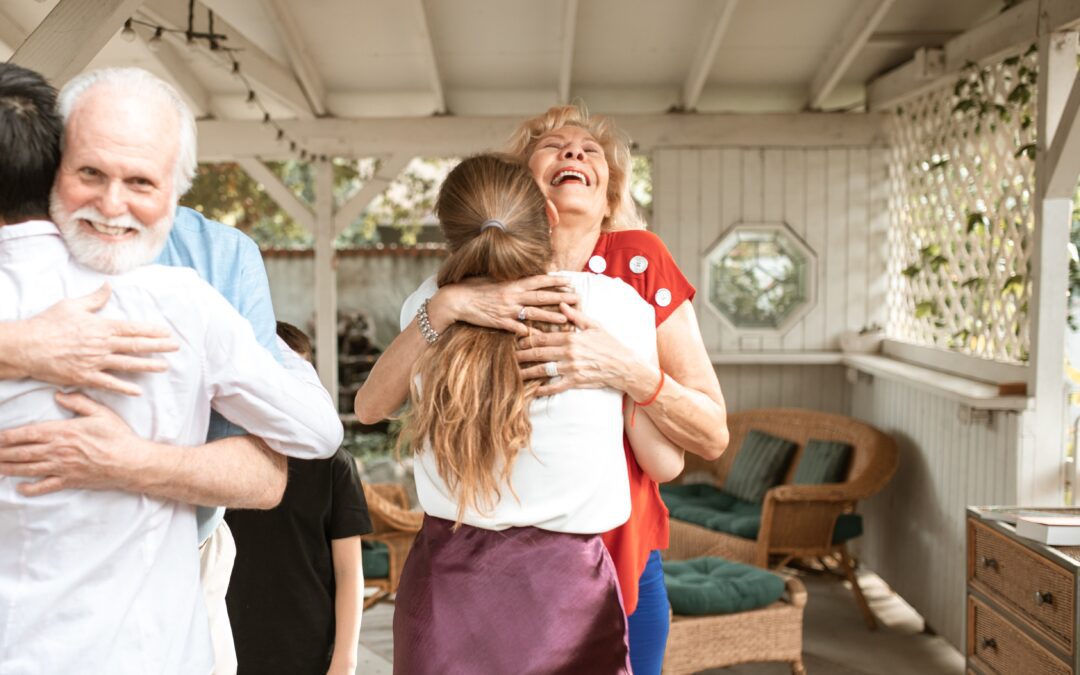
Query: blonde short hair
point(624, 212)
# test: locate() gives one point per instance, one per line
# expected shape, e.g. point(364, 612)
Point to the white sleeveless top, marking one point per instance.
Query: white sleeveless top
point(574, 479)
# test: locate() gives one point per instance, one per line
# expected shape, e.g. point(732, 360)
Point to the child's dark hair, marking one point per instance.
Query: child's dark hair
point(297, 339)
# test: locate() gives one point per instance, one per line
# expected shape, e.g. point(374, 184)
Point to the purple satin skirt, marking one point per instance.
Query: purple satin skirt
point(521, 600)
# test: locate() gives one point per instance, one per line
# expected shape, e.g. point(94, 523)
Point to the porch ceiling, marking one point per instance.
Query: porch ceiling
point(413, 58)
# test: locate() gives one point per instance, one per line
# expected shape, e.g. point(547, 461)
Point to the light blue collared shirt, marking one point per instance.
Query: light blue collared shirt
point(230, 262)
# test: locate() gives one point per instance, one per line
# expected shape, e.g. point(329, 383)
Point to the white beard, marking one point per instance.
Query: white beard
point(102, 255)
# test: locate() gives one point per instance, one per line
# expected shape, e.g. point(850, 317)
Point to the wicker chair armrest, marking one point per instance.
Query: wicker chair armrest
point(388, 512)
point(797, 527)
point(796, 592)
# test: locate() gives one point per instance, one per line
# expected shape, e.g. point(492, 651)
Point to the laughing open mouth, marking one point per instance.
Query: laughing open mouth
point(109, 230)
point(570, 176)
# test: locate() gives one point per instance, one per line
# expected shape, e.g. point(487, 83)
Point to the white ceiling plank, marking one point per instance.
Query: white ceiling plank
point(722, 11)
point(851, 41)
point(267, 75)
point(566, 56)
point(431, 63)
point(1008, 33)
point(911, 39)
point(187, 84)
point(71, 36)
point(278, 191)
point(1063, 157)
point(453, 136)
point(11, 33)
point(389, 168)
point(299, 56)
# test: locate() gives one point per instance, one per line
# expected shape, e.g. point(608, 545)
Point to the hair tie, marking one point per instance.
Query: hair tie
point(493, 223)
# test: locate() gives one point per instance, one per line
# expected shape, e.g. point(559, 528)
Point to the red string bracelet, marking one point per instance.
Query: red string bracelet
point(650, 400)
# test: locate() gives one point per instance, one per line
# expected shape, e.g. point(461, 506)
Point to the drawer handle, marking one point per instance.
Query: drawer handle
point(989, 563)
point(1044, 598)
point(989, 643)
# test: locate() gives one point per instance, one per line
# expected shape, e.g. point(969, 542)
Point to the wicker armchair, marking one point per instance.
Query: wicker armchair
point(394, 525)
point(797, 520)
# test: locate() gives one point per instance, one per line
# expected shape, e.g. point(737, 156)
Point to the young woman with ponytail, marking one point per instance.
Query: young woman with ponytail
point(509, 573)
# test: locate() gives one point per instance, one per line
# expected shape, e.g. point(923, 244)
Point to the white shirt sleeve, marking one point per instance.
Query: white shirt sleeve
point(413, 302)
point(284, 405)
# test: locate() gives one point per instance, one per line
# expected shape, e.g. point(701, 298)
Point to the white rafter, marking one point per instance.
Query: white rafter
point(431, 63)
point(566, 57)
point(706, 54)
point(299, 56)
point(185, 81)
point(279, 192)
point(71, 36)
point(851, 41)
point(911, 39)
point(11, 34)
point(389, 168)
point(266, 74)
point(1063, 156)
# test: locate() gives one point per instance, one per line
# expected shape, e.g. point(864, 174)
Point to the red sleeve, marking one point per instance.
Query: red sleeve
point(640, 258)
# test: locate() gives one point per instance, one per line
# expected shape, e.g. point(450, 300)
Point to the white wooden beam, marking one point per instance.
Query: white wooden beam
point(71, 36)
point(389, 168)
point(279, 192)
point(1010, 32)
point(449, 136)
point(851, 41)
point(1044, 482)
point(1063, 154)
point(566, 55)
point(299, 56)
point(719, 19)
point(325, 281)
point(181, 75)
point(11, 33)
point(911, 39)
point(427, 53)
point(266, 74)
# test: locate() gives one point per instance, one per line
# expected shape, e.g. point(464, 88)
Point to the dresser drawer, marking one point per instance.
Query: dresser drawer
point(1033, 585)
point(996, 646)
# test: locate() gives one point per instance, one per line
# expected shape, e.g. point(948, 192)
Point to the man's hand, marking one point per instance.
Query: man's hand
point(69, 345)
point(96, 450)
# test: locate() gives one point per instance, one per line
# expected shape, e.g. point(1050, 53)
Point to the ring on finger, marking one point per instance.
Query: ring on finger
point(551, 369)
point(521, 314)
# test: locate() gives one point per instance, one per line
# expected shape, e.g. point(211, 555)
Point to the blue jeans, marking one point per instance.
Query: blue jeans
point(650, 621)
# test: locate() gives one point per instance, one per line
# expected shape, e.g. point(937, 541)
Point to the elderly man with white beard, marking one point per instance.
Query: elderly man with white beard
point(103, 580)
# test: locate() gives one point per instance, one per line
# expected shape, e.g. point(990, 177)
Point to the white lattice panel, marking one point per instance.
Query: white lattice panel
point(961, 217)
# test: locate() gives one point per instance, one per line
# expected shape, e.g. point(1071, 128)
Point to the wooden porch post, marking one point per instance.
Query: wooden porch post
point(326, 303)
point(1049, 269)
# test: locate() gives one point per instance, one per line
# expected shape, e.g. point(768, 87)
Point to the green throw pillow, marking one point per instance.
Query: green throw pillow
point(375, 559)
point(716, 586)
point(759, 466)
point(822, 462)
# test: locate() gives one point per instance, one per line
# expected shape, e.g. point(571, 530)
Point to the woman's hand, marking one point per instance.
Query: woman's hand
point(588, 358)
point(502, 305)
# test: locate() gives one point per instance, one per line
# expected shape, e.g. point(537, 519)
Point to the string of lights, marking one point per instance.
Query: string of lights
point(216, 43)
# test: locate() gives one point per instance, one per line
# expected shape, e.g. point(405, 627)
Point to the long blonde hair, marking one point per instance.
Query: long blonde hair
point(624, 212)
point(473, 411)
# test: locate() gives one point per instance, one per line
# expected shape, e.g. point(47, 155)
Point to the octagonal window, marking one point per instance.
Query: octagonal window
point(760, 276)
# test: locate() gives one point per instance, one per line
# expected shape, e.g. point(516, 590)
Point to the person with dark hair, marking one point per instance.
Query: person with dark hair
point(509, 573)
point(30, 134)
point(295, 598)
point(105, 579)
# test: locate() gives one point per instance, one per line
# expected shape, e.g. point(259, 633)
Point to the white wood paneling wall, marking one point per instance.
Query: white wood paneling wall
point(914, 529)
point(817, 387)
point(835, 199)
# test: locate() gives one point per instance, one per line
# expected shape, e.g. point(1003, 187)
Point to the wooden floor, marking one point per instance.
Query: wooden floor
point(835, 640)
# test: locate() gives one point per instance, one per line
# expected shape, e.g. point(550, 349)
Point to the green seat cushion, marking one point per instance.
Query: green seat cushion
point(759, 465)
point(375, 559)
point(822, 462)
point(716, 586)
point(717, 510)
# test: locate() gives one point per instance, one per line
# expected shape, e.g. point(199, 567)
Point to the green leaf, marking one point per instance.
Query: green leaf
point(975, 283)
point(976, 218)
point(911, 270)
point(964, 105)
point(937, 261)
point(1011, 61)
point(924, 309)
point(1014, 285)
point(1026, 150)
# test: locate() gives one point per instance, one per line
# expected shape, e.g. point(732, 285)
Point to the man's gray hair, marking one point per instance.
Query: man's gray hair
point(141, 81)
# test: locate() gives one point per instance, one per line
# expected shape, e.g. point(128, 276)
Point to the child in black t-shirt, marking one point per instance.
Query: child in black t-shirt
point(296, 594)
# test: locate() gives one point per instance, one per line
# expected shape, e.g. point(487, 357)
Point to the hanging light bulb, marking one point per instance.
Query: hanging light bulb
point(154, 43)
point(251, 99)
point(128, 34)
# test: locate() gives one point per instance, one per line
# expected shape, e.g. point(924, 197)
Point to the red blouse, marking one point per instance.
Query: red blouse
point(640, 258)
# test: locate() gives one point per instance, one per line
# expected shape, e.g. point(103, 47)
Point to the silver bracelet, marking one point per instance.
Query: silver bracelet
point(424, 324)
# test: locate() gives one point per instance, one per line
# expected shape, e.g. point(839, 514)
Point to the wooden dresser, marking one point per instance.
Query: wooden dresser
point(1022, 613)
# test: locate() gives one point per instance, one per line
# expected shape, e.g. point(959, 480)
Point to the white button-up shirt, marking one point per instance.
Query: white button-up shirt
point(108, 581)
